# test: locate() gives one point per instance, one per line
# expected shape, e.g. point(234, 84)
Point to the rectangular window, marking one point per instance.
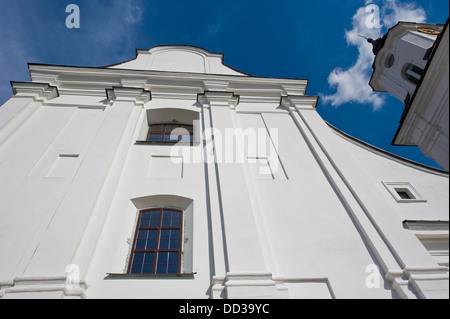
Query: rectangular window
point(157, 242)
point(170, 133)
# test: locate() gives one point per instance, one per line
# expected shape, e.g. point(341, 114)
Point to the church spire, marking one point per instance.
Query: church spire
point(377, 44)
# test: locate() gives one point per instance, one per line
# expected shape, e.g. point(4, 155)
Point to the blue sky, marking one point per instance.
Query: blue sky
point(306, 39)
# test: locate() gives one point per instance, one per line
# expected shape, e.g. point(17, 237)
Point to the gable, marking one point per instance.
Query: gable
point(180, 58)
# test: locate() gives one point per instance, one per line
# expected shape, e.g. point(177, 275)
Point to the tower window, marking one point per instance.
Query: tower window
point(157, 242)
point(170, 132)
point(413, 73)
point(390, 61)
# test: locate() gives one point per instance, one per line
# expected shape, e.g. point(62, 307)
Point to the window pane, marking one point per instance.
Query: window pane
point(141, 239)
point(164, 239)
point(403, 195)
point(167, 263)
point(150, 218)
point(173, 257)
point(149, 261)
point(151, 240)
point(136, 268)
point(170, 138)
point(138, 258)
point(172, 265)
point(157, 128)
point(174, 242)
point(145, 219)
point(154, 219)
point(155, 137)
point(170, 239)
point(143, 263)
point(172, 268)
point(161, 267)
point(171, 218)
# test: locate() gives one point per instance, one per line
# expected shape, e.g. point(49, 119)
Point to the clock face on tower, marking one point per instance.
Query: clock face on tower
point(429, 31)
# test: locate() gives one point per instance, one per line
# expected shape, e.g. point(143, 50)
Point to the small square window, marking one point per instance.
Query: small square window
point(403, 192)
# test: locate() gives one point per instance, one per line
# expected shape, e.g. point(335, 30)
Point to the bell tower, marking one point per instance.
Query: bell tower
point(401, 57)
point(411, 63)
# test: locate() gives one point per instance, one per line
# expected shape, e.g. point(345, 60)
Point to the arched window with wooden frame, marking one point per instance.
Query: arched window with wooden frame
point(157, 245)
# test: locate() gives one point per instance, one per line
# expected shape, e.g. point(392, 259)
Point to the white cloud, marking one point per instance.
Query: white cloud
point(352, 84)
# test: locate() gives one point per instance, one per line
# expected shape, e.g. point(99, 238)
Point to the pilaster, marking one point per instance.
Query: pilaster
point(243, 247)
point(126, 106)
point(28, 97)
point(70, 236)
point(407, 272)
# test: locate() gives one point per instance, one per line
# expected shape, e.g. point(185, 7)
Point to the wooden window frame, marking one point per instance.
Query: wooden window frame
point(163, 133)
point(157, 249)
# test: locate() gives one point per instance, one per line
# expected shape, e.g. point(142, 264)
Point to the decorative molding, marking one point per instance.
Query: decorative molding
point(138, 96)
point(216, 85)
point(246, 285)
point(395, 187)
point(406, 282)
point(39, 91)
point(264, 285)
point(163, 84)
point(38, 285)
point(295, 102)
point(217, 99)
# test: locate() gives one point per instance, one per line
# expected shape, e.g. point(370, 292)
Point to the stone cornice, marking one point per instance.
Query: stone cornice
point(178, 85)
point(38, 91)
point(138, 96)
point(299, 102)
point(214, 99)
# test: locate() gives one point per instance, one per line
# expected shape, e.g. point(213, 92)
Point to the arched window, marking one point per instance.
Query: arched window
point(170, 132)
point(413, 73)
point(157, 242)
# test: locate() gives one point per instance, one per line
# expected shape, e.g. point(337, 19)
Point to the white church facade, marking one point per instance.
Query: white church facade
point(173, 175)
